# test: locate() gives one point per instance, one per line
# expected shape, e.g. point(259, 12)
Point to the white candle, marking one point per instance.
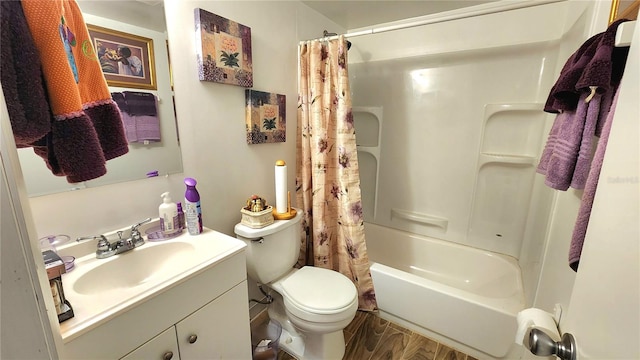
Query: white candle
point(281, 187)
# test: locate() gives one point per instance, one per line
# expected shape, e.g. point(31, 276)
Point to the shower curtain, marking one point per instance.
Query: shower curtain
point(327, 178)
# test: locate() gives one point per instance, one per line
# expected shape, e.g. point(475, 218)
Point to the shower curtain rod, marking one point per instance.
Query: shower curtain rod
point(479, 10)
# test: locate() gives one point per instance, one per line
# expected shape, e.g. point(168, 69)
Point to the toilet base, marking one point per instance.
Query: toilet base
point(303, 345)
point(329, 346)
point(293, 345)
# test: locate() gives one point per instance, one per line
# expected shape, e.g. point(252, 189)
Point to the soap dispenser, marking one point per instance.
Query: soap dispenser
point(168, 212)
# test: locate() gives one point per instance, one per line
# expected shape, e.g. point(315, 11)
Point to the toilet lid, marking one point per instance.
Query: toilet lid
point(319, 290)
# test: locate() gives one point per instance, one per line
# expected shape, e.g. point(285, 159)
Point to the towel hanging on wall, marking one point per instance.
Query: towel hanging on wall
point(86, 128)
point(584, 213)
point(21, 77)
point(597, 63)
point(583, 97)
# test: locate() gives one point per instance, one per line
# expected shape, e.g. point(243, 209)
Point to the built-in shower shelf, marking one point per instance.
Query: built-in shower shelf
point(509, 146)
point(421, 218)
point(367, 121)
point(507, 160)
point(373, 150)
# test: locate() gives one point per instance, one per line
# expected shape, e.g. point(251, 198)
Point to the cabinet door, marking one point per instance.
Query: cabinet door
point(219, 330)
point(161, 347)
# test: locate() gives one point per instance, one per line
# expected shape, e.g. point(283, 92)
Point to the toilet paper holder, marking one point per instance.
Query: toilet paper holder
point(541, 344)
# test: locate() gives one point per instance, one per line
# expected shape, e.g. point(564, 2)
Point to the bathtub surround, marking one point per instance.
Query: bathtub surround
point(491, 199)
point(466, 169)
point(328, 182)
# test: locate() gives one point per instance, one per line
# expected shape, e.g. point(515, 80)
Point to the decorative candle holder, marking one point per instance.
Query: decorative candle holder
point(257, 220)
point(257, 214)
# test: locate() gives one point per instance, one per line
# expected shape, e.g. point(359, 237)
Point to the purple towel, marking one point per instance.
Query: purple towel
point(596, 63)
point(77, 146)
point(21, 77)
point(606, 66)
point(147, 128)
point(119, 99)
point(129, 123)
point(566, 158)
point(582, 222)
point(139, 115)
point(141, 103)
point(564, 95)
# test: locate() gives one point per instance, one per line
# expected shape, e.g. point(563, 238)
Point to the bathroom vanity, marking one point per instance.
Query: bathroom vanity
point(183, 298)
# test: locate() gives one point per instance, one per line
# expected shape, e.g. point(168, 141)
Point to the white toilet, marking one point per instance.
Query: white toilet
point(312, 304)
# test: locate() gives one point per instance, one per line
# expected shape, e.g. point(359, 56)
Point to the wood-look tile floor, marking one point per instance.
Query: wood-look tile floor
point(369, 337)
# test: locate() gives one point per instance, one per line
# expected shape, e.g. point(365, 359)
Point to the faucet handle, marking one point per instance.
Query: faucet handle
point(135, 234)
point(135, 227)
point(103, 243)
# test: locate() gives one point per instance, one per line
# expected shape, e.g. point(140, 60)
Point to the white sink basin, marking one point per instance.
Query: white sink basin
point(99, 289)
point(134, 268)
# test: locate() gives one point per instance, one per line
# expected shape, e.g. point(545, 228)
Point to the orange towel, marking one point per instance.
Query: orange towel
point(87, 129)
point(50, 20)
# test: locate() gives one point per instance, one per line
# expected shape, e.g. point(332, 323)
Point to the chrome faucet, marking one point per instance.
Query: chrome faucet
point(107, 249)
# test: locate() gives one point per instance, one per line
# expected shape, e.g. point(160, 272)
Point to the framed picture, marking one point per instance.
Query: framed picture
point(265, 117)
point(127, 60)
point(224, 50)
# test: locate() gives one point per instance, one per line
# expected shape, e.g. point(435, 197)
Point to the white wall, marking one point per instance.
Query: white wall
point(211, 124)
point(25, 331)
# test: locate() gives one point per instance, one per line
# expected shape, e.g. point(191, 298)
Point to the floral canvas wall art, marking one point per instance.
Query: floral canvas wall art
point(224, 50)
point(265, 117)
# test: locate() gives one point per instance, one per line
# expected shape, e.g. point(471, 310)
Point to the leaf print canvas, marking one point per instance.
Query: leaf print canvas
point(265, 117)
point(224, 50)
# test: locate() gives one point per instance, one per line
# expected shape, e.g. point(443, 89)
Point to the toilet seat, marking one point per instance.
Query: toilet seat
point(319, 295)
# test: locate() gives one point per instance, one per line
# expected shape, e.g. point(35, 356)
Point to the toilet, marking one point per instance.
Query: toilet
point(312, 304)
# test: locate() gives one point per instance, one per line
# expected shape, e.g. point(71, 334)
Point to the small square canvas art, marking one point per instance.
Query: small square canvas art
point(224, 50)
point(265, 117)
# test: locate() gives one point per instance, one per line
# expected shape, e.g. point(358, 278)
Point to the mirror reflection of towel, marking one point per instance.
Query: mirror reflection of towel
point(141, 103)
point(139, 115)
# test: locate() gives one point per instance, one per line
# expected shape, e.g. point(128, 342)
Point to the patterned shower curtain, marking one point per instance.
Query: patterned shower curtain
point(327, 178)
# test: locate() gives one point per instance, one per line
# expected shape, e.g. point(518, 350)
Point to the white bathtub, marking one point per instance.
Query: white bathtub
point(452, 292)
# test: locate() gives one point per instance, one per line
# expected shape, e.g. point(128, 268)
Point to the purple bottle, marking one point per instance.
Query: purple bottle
point(192, 211)
point(181, 224)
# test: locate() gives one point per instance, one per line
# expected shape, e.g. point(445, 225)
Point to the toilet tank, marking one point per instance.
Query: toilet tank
point(271, 251)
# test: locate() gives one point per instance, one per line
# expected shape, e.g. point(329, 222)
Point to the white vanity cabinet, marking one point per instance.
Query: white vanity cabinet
point(199, 314)
point(161, 347)
point(216, 331)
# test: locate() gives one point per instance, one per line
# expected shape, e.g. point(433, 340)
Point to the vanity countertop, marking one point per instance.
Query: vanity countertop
point(101, 289)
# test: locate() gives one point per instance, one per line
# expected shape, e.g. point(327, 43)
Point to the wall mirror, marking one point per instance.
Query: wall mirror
point(146, 19)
